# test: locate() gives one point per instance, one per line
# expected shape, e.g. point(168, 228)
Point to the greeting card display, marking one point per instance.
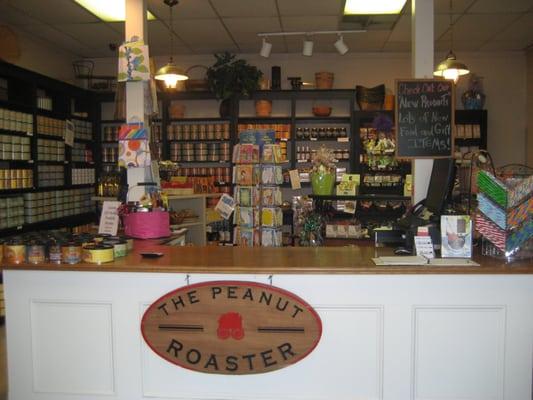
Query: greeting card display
point(133, 153)
point(456, 236)
point(133, 62)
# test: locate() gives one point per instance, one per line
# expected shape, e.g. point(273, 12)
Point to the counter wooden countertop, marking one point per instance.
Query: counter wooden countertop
point(287, 260)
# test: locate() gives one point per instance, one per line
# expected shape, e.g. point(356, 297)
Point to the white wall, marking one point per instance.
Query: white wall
point(40, 56)
point(504, 81)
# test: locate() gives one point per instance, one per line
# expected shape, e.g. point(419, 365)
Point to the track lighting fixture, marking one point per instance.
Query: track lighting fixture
point(341, 46)
point(266, 48)
point(308, 44)
point(308, 47)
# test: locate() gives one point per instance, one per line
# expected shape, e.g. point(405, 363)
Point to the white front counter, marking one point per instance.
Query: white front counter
point(76, 336)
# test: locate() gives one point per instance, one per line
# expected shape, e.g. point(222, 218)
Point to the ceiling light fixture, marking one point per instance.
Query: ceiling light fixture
point(308, 47)
point(266, 48)
point(170, 73)
point(108, 11)
point(450, 68)
point(341, 46)
point(308, 43)
point(374, 7)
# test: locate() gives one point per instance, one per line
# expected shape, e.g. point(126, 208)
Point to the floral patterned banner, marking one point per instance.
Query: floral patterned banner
point(133, 61)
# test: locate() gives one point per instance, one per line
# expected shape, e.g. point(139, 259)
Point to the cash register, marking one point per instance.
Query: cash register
point(428, 211)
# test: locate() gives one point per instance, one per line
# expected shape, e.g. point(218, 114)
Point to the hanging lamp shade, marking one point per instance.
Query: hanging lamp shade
point(450, 68)
point(170, 74)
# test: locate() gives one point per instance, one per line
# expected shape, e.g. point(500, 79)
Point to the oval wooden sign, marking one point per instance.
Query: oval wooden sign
point(231, 327)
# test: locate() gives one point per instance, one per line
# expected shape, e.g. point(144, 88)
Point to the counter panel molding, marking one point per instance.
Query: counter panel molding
point(72, 347)
point(385, 337)
point(455, 348)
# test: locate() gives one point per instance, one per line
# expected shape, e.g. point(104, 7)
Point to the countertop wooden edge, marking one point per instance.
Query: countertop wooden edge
point(266, 261)
point(185, 269)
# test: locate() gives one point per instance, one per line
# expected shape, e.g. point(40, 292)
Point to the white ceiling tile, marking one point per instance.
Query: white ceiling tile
point(500, 6)
point(56, 38)
point(93, 35)
point(245, 8)
point(307, 24)
point(215, 49)
point(458, 6)
point(522, 28)
point(159, 35)
point(185, 9)
point(502, 45)
point(13, 16)
point(402, 29)
point(357, 38)
point(480, 26)
point(397, 46)
point(203, 32)
point(252, 26)
point(310, 7)
point(55, 11)
point(442, 24)
point(459, 45)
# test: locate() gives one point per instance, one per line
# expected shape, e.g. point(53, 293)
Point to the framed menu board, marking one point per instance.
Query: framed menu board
point(424, 118)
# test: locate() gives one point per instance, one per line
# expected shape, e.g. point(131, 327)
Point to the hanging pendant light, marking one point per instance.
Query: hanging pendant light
point(450, 68)
point(170, 73)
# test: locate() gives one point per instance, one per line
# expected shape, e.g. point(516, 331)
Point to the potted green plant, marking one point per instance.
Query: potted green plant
point(229, 77)
point(323, 171)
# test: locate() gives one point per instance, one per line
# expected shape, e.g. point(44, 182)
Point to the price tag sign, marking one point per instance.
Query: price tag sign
point(69, 133)
point(109, 218)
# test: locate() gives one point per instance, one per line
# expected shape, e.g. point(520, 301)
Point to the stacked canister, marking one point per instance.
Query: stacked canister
point(60, 248)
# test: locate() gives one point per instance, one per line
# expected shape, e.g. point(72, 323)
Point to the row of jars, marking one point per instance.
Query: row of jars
point(304, 154)
point(50, 126)
point(307, 133)
point(221, 174)
point(16, 121)
point(198, 132)
point(16, 179)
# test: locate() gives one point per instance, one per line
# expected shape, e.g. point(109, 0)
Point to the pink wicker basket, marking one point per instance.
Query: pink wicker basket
point(147, 225)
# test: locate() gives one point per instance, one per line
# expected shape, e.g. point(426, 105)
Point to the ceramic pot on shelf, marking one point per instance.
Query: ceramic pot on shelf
point(323, 183)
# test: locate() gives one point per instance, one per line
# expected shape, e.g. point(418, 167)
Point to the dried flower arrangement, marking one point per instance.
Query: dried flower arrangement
point(323, 160)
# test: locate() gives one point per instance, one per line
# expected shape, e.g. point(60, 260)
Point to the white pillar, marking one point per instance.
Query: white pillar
point(136, 25)
point(422, 55)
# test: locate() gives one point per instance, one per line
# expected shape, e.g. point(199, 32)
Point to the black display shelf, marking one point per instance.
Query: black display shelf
point(113, 121)
point(200, 119)
point(361, 197)
point(468, 142)
point(86, 119)
point(323, 120)
point(52, 137)
point(201, 141)
point(265, 120)
point(71, 220)
point(203, 162)
point(109, 142)
point(18, 163)
point(322, 140)
point(83, 140)
point(51, 114)
point(199, 95)
point(15, 133)
point(7, 192)
point(17, 106)
point(83, 163)
point(48, 162)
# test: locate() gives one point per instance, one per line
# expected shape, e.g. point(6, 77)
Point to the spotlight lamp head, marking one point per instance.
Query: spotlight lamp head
point(308, 47)
point(341, 46)
point(266, 48)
